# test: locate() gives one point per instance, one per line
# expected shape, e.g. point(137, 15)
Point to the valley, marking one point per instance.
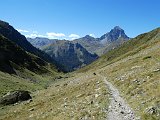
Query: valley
point(123, 83)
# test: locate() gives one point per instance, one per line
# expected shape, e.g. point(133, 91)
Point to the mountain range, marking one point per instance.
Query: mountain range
point(83, 50)
point(100, 46)
point(121, 83)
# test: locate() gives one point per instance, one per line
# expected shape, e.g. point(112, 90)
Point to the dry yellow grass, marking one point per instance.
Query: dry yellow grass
point(82, 96)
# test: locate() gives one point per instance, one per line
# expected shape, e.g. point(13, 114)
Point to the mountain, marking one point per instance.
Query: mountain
point(9, 32)
point(114, 35)
point(122, 84)
point(91, 44)
point(71, 55)
point(105, 43)
point(40, 42)
point(134, 69)
point(100, 46)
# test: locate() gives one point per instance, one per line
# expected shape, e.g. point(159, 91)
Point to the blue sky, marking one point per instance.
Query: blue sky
point(76, 18)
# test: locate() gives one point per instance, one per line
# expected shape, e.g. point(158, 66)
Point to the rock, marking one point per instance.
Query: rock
point(32, 109)
point(14, 97)
point(96, 95)
point(65, 84)
point(151, 110)
point(91, 102)
point(156, 70)
point(122, 112)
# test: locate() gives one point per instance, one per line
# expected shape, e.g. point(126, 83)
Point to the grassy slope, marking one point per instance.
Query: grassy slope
point(66, 99)
point(34, 73)
point(134, 68)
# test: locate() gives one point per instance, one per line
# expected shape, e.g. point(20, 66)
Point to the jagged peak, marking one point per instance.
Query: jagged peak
point(117, 28)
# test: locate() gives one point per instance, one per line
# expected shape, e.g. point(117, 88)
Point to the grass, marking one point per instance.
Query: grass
point(26, 80)
point(137, 76)
point(79, 97)
point(133, 68)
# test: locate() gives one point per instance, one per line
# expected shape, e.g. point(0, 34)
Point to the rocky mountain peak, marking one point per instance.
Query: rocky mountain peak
point(115, 34)
point(117, 28)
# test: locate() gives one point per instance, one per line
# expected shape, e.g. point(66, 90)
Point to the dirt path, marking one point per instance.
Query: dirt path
point(118, 109)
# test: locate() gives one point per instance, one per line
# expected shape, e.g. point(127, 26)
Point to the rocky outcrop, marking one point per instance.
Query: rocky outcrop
point(14, 97)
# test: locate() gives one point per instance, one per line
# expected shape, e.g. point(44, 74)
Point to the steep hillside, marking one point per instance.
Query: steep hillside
point(134, 69)
point(13, 57)
point(25, 69)
point(9, 32)
point(71, 56)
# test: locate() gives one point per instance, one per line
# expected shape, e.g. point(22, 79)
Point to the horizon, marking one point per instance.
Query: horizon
point(60, 19)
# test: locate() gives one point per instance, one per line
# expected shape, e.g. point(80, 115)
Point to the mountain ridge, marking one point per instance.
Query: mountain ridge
point(100, 46)
point(12, 34)
point(71, 55)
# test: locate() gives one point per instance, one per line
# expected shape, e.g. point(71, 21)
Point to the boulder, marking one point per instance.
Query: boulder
point(14, 97)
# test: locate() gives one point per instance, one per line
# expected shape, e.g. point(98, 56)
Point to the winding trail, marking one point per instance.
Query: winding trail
point(118, 108)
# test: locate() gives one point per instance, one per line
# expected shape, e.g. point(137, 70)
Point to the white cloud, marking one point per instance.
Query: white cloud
point(73, 36)
point(20, 30)
point(34, 35)
point(50, 35)
point(92, 35)
point(53, 35)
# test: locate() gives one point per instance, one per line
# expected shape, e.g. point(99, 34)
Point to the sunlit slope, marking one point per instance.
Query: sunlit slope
point(134, 68)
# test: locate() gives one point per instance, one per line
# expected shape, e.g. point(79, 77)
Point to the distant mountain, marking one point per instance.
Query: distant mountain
point(65, 52)
point(71, 55)
point(114, 35)
point(89, 43)
point(10, 33)
point(40, 42)
point(106, 42)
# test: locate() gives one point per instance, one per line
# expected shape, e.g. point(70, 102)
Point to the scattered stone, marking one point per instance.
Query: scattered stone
point(97, 82)
point(96, 95)
point(147, 57)
point(32, 109)
point(65, 84)
point(122, 112)
point(14, 97)
point(151, 110)
point(156, 70)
